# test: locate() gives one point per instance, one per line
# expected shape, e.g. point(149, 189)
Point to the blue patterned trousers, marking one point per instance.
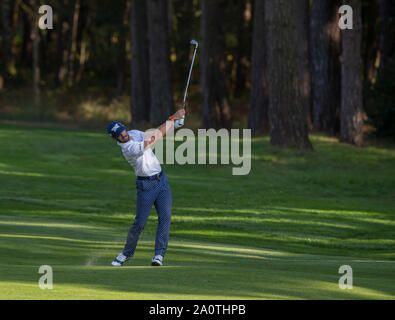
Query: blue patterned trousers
point(151, 192)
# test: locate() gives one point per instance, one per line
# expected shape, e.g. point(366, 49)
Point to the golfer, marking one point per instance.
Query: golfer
point(152, 185)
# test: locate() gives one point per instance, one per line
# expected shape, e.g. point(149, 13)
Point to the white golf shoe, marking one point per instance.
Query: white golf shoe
point(157, 261)
point(119, 260)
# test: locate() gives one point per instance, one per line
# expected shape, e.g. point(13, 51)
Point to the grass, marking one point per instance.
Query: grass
point(67, 199)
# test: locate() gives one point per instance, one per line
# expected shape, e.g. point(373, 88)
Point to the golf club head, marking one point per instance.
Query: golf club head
point(195, 43)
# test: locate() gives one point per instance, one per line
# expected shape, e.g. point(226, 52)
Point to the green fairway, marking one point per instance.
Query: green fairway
point(67, 199)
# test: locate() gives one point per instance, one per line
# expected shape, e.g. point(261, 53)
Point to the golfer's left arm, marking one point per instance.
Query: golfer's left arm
point(162, 130)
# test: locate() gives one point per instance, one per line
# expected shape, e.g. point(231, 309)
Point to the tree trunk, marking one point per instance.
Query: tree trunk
point(351, 101)
point(326, 70)
point(7, 35)
point(286, 113)
point(258, 120)
point(215, 101)
point(59, 49)
point(185, 31)
point(84, 53)
point(243, 35)
point(170, 15)
point(36, 62)
point(161, 95)
point(371, 39)
point(14, 44)
point(302, 16)
point(387, 14)
point(140, 93)
point(35, 37)
point(73, 48)
point(46, 54)
point(121, 50)
point(25, 58)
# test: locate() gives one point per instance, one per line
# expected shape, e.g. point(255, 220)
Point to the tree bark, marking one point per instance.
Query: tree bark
point(351, 101)
point(326, 70)
point(185, 30)
point(73, 48)
point(371, 39)
point(121, 50)
point(170, 14)
point(140, 91)
point(387, 14)
point(35, 37)
point(161, 94)
point(26, 55)
point(85, 26)
point(7, 36)
point(243, 39)
point(258, 120)
point(286, 113)
point(59, 49)
point(36, 63)
point(302, 16)
point(215, 102)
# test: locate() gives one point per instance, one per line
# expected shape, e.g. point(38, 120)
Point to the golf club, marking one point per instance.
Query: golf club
point(196, 44)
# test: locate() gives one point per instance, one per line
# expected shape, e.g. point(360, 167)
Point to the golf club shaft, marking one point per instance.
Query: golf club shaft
point(189, 78)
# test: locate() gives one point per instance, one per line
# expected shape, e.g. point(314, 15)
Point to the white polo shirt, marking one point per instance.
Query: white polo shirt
point(144, 163)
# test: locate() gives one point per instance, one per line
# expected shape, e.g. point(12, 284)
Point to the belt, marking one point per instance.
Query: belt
point(155, 176)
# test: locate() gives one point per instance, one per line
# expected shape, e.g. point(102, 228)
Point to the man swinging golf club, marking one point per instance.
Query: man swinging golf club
point(152, 185)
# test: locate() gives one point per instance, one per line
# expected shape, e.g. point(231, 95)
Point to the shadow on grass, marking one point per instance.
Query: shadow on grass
point(303, 230)
point(80, 255)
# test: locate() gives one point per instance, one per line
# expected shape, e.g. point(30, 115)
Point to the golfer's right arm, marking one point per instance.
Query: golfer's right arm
point(162, 130)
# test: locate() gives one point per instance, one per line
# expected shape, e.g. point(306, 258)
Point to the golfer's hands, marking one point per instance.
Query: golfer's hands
point(179, 123)
point(179, 114)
